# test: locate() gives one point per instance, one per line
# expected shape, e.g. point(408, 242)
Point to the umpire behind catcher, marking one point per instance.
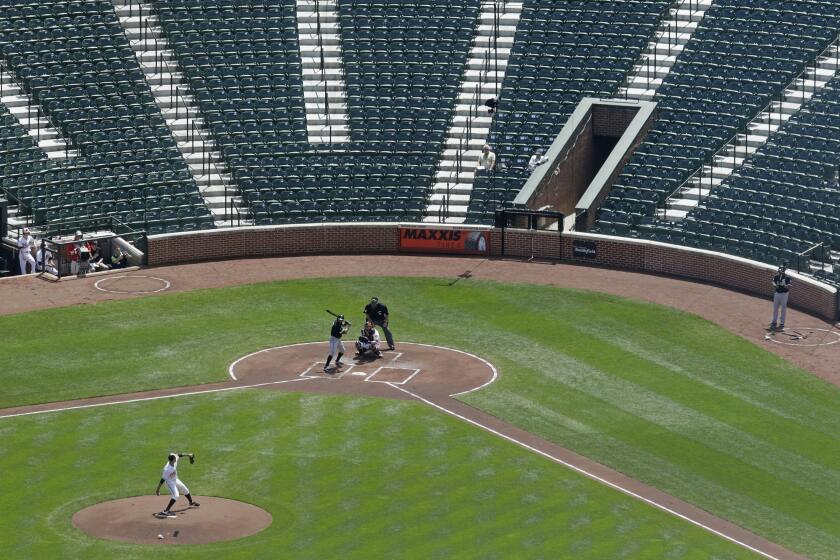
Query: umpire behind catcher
point(377, 312)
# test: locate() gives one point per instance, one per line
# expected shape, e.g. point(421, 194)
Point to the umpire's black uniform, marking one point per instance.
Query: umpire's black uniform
point(377, 312)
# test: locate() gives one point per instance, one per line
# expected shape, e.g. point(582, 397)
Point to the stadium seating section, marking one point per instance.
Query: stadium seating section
point(403, 63)
point(782, 201)
point(402, 74)
point(74, 60)
point(19, 152)
point(563, 52)
point(741, 57)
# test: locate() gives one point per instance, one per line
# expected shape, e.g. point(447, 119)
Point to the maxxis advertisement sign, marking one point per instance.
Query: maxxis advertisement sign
point(444, 240)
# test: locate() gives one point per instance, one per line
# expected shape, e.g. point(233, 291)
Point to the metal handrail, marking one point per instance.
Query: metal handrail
point(710, 161)
point(808, 252)
point(4, 67)
point(176, 97)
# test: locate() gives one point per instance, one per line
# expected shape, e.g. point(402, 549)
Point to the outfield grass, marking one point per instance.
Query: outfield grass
point(342, 477)
point(661, 395)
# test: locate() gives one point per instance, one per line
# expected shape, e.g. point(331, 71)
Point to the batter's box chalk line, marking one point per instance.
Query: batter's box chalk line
point(412, 375)
point(806, 336)
point(316, 371)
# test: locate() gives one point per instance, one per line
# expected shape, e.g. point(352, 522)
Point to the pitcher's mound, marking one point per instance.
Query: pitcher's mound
point(133, 520)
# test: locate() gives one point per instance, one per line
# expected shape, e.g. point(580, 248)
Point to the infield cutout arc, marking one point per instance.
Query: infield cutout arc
point(493, 370)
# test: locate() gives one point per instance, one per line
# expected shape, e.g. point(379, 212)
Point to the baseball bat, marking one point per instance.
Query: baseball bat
point(331, 313)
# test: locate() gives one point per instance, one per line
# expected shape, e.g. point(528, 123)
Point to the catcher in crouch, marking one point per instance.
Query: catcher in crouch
point(369, 342)
point(170, 477)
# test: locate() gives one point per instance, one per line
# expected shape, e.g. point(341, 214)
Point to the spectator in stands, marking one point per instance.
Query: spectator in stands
point(536, 160)
point(487, 159)
point(97, 262)
point(25, 244)
point(119, 259)
point(491, 105)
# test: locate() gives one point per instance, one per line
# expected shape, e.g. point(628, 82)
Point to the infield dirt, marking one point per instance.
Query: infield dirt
point(133, 520)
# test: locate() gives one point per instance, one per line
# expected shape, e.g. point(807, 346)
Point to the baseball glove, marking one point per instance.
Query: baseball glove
point(192, 458)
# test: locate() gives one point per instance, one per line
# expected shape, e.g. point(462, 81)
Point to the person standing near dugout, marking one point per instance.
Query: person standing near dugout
point(377, 313)
point(781, 287)
point(25, 243)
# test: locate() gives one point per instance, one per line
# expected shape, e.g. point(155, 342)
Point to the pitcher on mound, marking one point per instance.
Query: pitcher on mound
point(170, 478)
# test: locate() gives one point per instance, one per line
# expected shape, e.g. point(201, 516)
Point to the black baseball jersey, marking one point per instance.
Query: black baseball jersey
point(337, 328)
point(379, 314)
point(782, 283)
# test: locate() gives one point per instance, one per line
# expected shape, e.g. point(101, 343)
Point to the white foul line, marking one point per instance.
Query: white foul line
point(584, 472)
point(142, 399)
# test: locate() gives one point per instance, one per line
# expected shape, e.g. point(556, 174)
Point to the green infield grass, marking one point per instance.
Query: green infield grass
point(342, 477)
point(658, 394)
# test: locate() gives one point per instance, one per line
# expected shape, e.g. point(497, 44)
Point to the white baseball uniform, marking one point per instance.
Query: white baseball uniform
point(170, 477)
point(25, 244)
point(336, 346)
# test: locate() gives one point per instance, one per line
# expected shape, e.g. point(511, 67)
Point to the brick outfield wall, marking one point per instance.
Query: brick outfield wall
point(659, 258)
point(611, 252)
point(273, 241)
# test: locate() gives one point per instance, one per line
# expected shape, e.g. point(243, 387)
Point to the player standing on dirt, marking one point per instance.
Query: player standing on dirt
point(170, 477)
point(339, 328)
point(781, 291)
point(377, 312)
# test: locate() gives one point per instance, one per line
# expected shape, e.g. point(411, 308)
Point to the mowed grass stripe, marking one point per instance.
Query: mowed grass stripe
point(387, 498)
point(721, 425)
point(671, 476)
point(638, 384)
point(729, 382)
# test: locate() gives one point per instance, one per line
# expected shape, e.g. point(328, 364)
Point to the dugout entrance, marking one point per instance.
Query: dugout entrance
point(61, 254)
point(532, 221)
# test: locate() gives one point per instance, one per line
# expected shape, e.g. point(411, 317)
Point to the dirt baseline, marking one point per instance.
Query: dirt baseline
point(133, 520)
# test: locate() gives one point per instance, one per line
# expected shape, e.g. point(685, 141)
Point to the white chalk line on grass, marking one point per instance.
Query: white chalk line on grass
point(585, 472)
point(155, 398)
point(479, 358)
point(166, 285)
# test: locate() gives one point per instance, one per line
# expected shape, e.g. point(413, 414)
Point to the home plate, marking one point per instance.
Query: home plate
point(359, 373)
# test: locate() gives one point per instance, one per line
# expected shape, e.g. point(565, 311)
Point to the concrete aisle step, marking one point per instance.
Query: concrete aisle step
point(178, 108)
point(760, 129)
point(324, 90)
point(451, 191)
point(33, 119)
